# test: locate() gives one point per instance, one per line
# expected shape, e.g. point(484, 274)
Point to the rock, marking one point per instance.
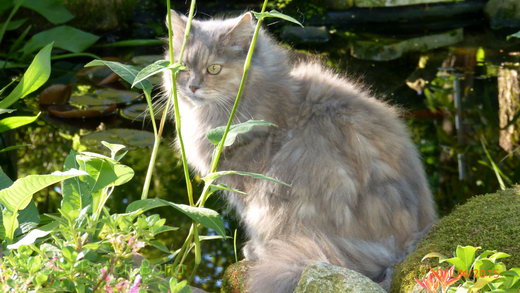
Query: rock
point(389, 3)
point(489, 221)
point(503, 13)
point(326, 278)
point(305, 35)
point(390, 49)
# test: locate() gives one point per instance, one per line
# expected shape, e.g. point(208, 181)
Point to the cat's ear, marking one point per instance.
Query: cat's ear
point(241, 33)
point(178, 21)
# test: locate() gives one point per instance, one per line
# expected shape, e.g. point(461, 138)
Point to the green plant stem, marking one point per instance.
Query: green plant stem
point(247, 66)
point(11, 15)
point(157, 142)
point(174, 92)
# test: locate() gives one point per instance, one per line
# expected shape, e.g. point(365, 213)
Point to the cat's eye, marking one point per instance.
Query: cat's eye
point(214, 69)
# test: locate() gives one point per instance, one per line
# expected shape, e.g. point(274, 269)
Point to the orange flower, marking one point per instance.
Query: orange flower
point(439, 277)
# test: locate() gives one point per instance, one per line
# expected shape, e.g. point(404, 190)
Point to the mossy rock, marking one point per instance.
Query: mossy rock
point(490, 221)
point(234, 280)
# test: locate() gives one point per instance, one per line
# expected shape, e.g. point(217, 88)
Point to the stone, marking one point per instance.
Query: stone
point(489, 221)
point(325, 278)
point(503, 13)
point(390, 49)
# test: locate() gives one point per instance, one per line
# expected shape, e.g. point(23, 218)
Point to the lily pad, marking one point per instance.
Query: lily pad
point(104, 97)
point(139, 112)
point(68, 111)
point(55, 94)
point(128, 137)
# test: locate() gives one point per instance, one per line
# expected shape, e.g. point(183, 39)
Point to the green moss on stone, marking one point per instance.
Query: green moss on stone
point(491, 221)
point(234, 280)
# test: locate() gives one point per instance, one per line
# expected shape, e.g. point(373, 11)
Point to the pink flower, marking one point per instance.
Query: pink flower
point(429, 282)
point(135, 286)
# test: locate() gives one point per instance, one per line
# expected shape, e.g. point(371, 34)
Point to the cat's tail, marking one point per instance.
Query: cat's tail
point(281, 264)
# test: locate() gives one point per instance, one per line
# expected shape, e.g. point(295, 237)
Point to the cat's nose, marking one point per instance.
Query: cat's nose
point(194, 88)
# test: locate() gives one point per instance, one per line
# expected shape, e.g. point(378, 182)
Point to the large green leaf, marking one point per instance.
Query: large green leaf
point(155, 68)
point(5, 181)
point(215, 175)
point(15, 122)
point(464, 257)
point(64, 37)
point(52, 10)
point(125, 71)
point(17, 196)
point(76, 194)
point(14, 147)
point(216, 134)
point(204, 216)
point(100, 170)
point(35, 76)
point(34, 234)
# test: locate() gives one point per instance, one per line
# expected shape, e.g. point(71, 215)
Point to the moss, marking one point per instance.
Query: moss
point(234, 280)
point(491, 221)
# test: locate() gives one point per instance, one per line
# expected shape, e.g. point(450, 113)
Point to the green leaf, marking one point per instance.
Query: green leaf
point(159, 245)
point(33, 235)
point(76, 193)
point(155, 68)
point(64, 37)
point(213, 176)
point(435, 254)
point(17, 196)
point(216, 134)
point(125, 71)
point(215, 187)
point(113, 147)
point(15, 24)
point(4, 111)
point(134, 43)
point(145, 205)
point(14, 147)
point(16, 121)
point(498, 255)
point(515, 35)
point(464, 257)
point(276, 14)
point(100, 170)
point(5, 181)
point(34, 77)
point(206, 217)
point(53, 10)
point(10, 223)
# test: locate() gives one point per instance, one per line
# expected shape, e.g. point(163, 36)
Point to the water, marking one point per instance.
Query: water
point(449, 98)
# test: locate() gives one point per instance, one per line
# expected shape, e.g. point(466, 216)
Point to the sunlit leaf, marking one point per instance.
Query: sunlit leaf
point(155, 68)
point(113, 147)
point(213, 176)
point(276, 14)
point(33, 235)
point(204, 216)
point(10, 123)
point(34, 77)
point(19, 194)
point(76, 193)
point(64, 37)
point(515, 35)
point(216, 134)
point(215, 187)
point(125, 71)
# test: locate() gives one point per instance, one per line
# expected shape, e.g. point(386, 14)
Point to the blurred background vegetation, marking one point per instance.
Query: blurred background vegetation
point(452, 66)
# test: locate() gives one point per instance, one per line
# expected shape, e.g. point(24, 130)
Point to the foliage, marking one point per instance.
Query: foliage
point(65, 37)
point(487, 221)
point(84, 247)
point(482, 273)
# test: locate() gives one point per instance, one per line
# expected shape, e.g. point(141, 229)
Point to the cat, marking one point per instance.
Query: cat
point(358, 196)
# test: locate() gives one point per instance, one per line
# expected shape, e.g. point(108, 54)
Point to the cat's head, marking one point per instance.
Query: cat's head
point(215, 56)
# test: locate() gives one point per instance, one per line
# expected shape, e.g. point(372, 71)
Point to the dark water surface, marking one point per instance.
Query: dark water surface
point(426, 85)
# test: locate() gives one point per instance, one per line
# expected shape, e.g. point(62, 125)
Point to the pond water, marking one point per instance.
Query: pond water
point(449, 97)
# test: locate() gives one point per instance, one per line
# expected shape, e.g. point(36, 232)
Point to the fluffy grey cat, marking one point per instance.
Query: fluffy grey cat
point(359, 198)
